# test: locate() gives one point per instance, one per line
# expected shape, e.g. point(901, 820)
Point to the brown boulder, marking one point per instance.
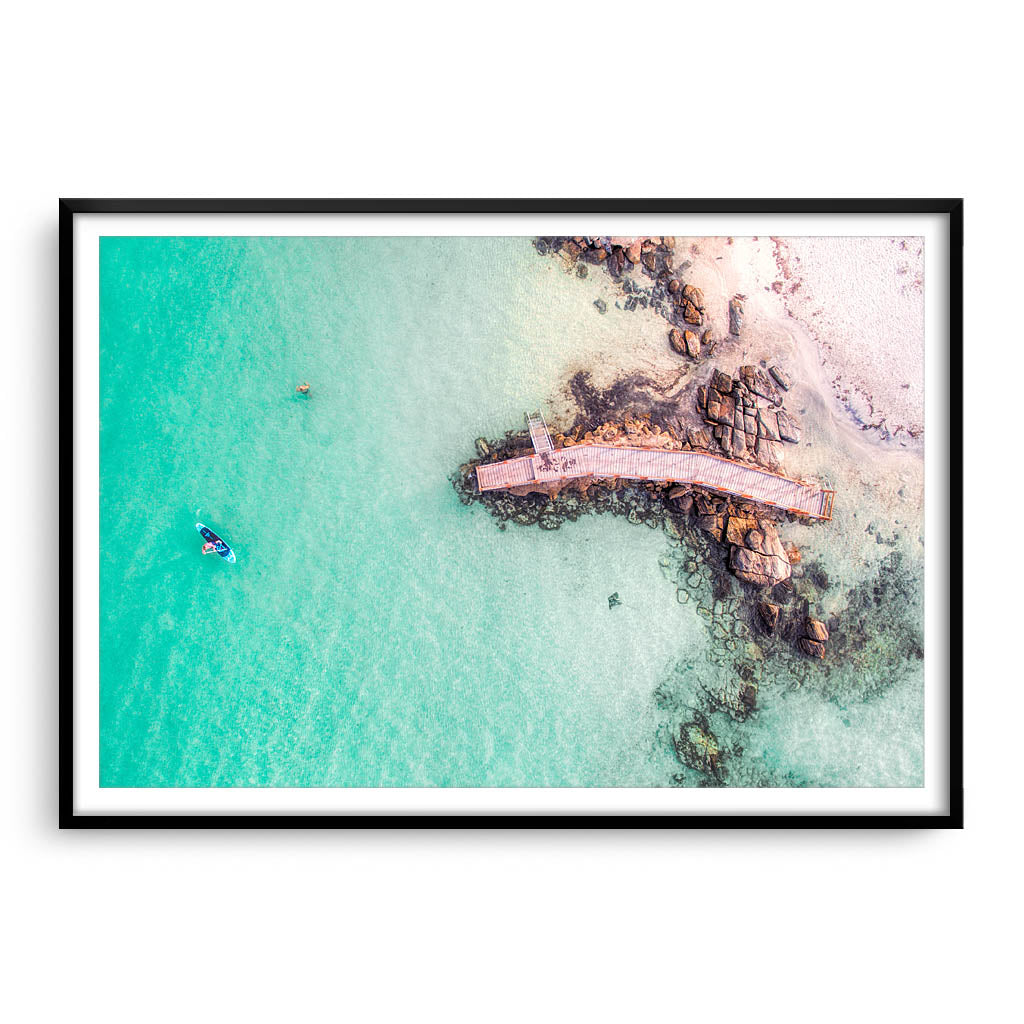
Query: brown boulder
point(816, 630)
point(762, 570)
point(769, 615)
point(702, 397)
point(706, 505)
point(770, 543)
point(812, 648)
point(727, 410)
point(711, 524)
point(695, 296)
point(692, 344)
point(781, 377)
point(721, 382)
point(792, 552)
point(673, 285)
point(737, 528)
point(681, 498)
point(691, 314)
point(633, 253)
point(708, 339)
point(675, 339)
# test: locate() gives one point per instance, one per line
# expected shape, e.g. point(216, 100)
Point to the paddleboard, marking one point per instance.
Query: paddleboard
point(222, 546)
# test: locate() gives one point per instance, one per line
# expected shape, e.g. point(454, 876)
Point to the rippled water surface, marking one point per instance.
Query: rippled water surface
point(375, 631)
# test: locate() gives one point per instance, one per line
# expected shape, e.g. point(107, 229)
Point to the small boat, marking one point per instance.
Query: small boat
point(221, 546)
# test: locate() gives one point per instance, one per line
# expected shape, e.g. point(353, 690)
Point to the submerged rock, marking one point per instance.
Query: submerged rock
point(812, 648)
point(697, 747)
point(613, 600)
point(769, 614)
point(601, 305)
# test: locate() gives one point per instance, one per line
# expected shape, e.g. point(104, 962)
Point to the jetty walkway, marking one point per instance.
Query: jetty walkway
point(701, 469)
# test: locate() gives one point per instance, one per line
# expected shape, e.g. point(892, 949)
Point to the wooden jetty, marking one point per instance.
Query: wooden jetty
point(603, 461)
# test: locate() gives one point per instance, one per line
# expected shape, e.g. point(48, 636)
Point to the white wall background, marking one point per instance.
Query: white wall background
point(652, 99)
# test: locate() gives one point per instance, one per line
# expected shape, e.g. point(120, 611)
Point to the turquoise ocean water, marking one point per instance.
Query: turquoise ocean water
point(374, 631)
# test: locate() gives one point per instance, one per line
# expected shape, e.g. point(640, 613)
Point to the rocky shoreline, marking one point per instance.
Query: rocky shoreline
point(762, 604)
point(753, 567)
point(669, 295)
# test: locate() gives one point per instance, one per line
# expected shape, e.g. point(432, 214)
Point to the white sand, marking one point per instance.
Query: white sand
point(859, 300)
point(815, 323)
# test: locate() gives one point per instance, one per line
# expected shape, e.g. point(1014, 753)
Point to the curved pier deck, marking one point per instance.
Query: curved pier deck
point(702, 469)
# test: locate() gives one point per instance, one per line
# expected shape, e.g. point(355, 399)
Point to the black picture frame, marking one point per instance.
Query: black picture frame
point(953, 209)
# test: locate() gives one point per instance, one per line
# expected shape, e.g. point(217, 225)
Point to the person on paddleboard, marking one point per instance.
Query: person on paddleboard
point(209, 548)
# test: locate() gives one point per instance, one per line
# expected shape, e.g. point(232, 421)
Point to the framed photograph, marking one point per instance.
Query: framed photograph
point(641, 513)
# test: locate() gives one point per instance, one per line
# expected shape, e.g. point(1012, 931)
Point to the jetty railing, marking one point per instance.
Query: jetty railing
point(539, 433)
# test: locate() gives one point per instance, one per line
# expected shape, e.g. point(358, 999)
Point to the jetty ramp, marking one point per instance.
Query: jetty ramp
point(600, 461)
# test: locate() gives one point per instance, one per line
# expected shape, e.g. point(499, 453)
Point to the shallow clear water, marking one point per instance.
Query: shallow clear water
point(374, 631)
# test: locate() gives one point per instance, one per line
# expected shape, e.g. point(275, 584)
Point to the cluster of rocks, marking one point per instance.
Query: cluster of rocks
point(697, 747)
point(756, 553)
point(810, 634)
point(680, 303)
point(814, 632)
point(743, 426)
point(654, 255)
point(814, 639)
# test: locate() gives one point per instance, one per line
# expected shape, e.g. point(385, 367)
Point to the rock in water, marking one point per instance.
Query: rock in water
point(812, 648)
point(816, 630)
point(763, 570)
point(735, 315)
point(692, 344)
point(675, 339)
point(697, 747)
point(482, 448)
point(614, 600)
point(602, 306)
point(769, 616)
